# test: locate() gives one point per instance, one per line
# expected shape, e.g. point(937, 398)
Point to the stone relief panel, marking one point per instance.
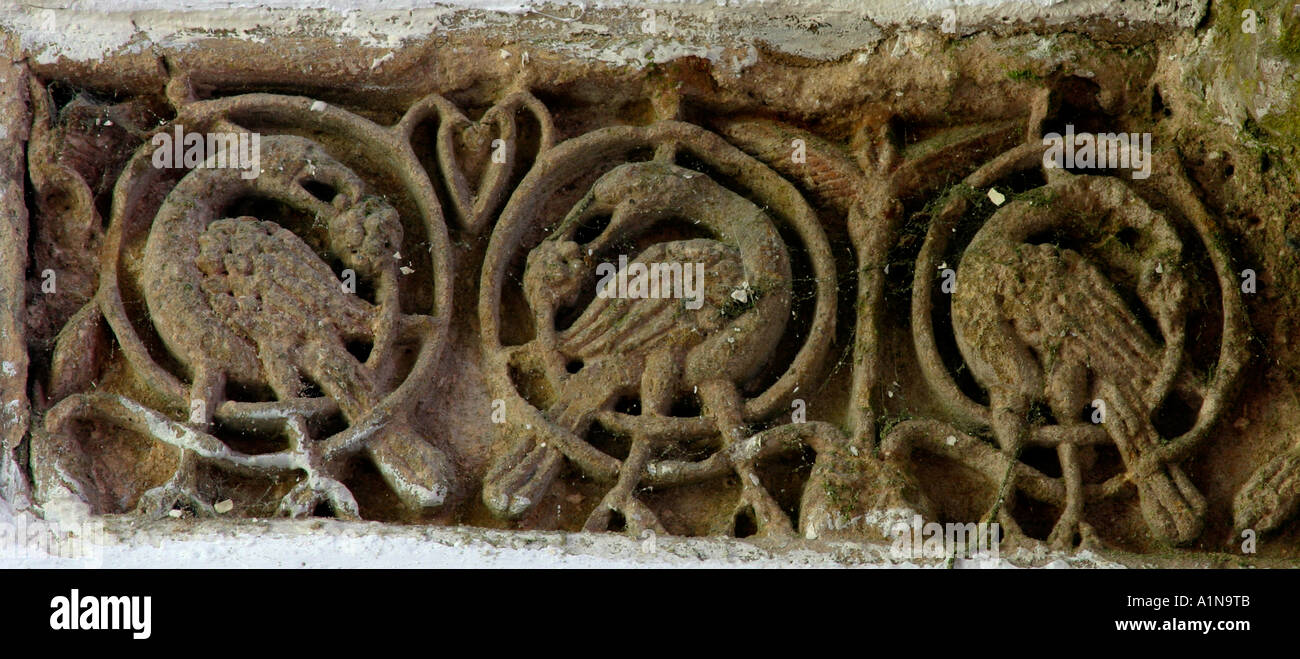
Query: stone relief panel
point(275, 305)
point(1068, 298)
point(678, 376)
point(689, 321)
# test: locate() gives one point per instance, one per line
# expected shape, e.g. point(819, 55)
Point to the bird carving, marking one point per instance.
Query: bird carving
point(247, 301)
point(654, 348)
point(1043, 322)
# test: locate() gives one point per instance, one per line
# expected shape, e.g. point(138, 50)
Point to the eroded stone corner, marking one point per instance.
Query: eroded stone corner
point(15, 120)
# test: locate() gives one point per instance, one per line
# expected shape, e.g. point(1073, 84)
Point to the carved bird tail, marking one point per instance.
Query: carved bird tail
point(522, 473)
point(1171, 505)
point(419, 473)
point(520, 476)
point(1271, 496)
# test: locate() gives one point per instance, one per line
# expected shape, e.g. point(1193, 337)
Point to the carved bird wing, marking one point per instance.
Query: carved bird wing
point(1059, 301)
point(1076, 302)
point(614, 325)
point(267, 283)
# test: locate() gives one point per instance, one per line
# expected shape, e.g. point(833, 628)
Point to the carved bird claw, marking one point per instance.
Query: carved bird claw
point(180, 491)
point(768, 516)
point(313, 491)
point(1069, 527)
point(637, 516)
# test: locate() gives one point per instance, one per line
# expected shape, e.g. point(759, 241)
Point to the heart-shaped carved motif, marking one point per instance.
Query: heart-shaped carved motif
point(477, 159)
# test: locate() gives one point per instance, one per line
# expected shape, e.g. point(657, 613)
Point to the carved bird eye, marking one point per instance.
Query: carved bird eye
point(1128, 237)
point(322, 191)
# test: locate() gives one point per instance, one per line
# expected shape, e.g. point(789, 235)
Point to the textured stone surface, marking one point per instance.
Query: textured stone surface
point(397, 311)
